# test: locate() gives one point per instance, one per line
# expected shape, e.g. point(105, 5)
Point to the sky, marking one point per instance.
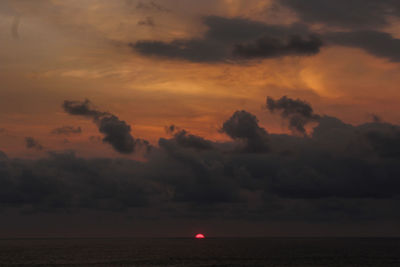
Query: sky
point(171, 117)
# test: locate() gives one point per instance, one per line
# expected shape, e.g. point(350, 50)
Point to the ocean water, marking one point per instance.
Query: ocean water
point(206, 252)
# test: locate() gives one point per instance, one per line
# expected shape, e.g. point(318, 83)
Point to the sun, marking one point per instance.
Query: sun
point(200, 236)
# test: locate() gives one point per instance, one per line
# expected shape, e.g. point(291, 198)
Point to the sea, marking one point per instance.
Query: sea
point(201, 252)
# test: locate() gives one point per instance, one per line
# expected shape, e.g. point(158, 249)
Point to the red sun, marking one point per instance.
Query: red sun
point(199, 236)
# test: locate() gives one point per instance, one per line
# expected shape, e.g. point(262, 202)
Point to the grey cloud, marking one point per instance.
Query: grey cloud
point(233, 39)
point(65, 182)
point(385, 140)
point(191, 50)
point(272, 47)
point(345, 13)
point(361, 22)
point(229, 38)
point(244, 126)
point(298, 112)
point(81, 108)
point(197, 175)
point(238, 30)
point(116, 132)
point(185, 139)
point(377, 43)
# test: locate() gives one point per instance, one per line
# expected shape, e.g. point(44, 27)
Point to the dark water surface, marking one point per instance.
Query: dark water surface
point(207, 252)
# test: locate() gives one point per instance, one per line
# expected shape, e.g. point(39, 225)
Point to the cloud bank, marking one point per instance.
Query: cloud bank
point(338, 172)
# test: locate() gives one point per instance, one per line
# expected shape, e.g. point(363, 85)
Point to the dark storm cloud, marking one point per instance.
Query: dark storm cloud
point(377, 43)
point(268, 47)
point(298, 112)
point(244, 126)
point(116, 132)
point(65, 182)
point(196, 178)
point(67, 130)
point(385, 141)
point(32, 143)
point(345, 13)
point(339, 172)
point(230, 38)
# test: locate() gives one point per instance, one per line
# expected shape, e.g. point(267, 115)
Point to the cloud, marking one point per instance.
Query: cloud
point(185, 139)
point(81, 108)
point(377, 43)
point(244, 126)
point(355, 23)
point(64, 182)
point(116, 132)
point(32, 143)
point(339, 172)
point(191, 50)
point(272, 47)
point(238, 30)
point(67, 130)
point(298, 112)
point(342, 13)
point(385, 141)
point(230, 39)
point(297, 178)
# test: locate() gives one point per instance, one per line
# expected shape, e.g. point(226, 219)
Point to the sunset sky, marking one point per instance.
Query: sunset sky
point(136, 117)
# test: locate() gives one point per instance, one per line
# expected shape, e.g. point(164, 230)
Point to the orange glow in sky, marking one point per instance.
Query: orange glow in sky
point(89, 56)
